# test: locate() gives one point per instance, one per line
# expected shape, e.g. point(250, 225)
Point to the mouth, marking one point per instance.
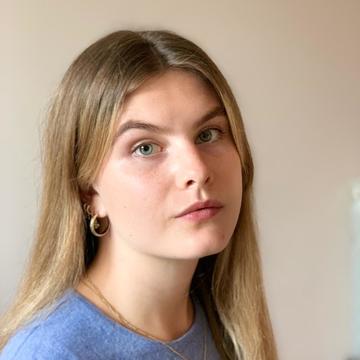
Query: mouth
point(201, 214)
point(202, 207)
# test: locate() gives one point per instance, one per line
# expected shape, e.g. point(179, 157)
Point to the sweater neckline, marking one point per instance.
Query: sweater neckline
point(196, 327)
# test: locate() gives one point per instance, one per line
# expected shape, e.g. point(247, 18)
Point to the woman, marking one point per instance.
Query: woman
point(146, 244)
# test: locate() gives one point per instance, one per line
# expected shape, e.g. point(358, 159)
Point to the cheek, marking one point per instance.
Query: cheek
point(232, 177)
point(133, 195)
point(231, 168)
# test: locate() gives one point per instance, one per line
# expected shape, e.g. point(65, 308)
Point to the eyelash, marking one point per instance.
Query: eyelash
point(220, 135)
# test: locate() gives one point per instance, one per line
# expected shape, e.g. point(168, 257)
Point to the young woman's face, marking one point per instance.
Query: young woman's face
point(151, 176)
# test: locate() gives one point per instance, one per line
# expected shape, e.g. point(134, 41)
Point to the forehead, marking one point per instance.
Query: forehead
point(173, 95)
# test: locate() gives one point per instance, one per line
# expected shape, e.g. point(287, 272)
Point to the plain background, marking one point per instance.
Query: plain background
point(294, 67)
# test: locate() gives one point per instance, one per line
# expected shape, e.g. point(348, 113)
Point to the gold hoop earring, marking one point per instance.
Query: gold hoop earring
point(94, 222)
point(95, 225)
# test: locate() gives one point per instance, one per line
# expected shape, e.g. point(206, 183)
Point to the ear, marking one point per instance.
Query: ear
point(93, 198)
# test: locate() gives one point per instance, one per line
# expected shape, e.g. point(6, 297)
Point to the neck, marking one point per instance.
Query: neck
point(151, 293)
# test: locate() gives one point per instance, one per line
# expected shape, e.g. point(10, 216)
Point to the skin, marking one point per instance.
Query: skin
point(145, 263)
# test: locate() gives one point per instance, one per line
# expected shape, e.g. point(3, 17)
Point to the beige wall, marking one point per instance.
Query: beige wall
point(294, 67)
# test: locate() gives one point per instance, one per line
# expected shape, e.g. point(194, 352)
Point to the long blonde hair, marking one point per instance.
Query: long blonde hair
point(79, 132)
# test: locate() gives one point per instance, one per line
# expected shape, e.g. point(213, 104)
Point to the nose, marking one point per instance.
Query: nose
point(191, 167)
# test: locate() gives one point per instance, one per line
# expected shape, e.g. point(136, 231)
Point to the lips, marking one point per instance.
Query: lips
point(201, 205)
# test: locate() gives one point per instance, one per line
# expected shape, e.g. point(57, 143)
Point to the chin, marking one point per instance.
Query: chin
point(208, 247)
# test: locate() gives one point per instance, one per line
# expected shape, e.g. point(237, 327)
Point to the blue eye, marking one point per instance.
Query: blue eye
point(207, 131)
point(146, 149)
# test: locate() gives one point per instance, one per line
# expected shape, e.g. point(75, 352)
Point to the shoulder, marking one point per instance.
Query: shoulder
point(25, 347)
point(59, 332)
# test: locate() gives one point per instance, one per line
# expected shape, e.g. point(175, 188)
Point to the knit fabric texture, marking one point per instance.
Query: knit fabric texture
point(76, 329)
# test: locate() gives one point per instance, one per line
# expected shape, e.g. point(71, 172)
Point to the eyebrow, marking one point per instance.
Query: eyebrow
point(136, 124)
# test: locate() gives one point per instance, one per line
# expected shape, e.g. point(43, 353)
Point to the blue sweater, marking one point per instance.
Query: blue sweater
point(76, 329)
